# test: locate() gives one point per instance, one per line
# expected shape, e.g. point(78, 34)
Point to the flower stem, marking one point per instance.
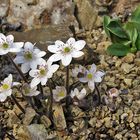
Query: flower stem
point(67, 79)
point(17, 68)
point(51, 101)
point(16, 102)
point(67, 87)
point(99, 96)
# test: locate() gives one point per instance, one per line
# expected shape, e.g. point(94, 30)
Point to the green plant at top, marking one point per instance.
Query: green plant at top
point(125, 37)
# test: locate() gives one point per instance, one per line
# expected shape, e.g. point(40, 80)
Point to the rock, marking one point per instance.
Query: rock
point(102, 46)
point(107, 121)
point(137, 62)
point(13, 119)
point(46, 121)
point(29, 116)
point(59, 118)
point(85, 10)
point(38, 132)
point(129, 58)
point(118, 136)
point(4, 5)
point(126, 67)
point(124, 117)
point(128, 82)
point(44, 36)
point(23, 133)
point(93, 122)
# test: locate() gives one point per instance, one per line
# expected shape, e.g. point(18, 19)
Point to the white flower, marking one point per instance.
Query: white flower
point(5, 88)
point(29, 57)
point(92, 76)
point(28, 91)
point(59, 93)
point(78, 94)
point(43, 73)
point(65, 51)
point(7, 44)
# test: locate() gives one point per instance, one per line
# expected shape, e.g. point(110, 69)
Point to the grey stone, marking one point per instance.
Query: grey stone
point(4, 4)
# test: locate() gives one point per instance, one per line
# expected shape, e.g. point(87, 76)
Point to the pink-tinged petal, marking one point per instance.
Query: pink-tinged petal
point(54, 48)
point(35, 82)
point(59, 43)
point(100, 73)
point(83, 80)
point(19, 60)
point(81, 94)
point(79, 45)
point(10, 39)
point(71, 41)
point(76, 54)
point(2, 97)
point(25, 67)
point(55, 57)
point(93, 68)
point(91, 85)
point(2, 37)
point(9, 92)
point(44, 81)
point(66, 59)
point(41, 54)
point(18, 45)
point(28, 46)
point(97, 78)
point(33, 73)
point(54, 68)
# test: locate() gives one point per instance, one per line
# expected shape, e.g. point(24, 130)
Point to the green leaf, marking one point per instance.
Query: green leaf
point(138, 42)
point(136, 15)
point(116, 28)
point(118, 49)
point(132, 32)
point(106, 21)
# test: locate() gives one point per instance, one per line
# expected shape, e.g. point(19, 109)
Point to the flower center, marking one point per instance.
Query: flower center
point(67, 50)
point(42, 72)
point(28, 55)
point(61, 94)
point(89, 76)
point(5, 46)
point(5, 86)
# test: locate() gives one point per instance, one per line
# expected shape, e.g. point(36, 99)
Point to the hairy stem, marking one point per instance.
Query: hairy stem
point(51, 101)
point(18, 105)
point(17, 68)
point(99, 96)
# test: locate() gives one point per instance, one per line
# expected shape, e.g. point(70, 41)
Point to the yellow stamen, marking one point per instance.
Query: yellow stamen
point(42, 72)
point(5, 86)
point(28, 55)
point(5, 46)
point(61, 94)
point(67, 50)
point(89, 76)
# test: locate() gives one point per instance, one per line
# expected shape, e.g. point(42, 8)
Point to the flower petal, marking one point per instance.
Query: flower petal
point(41, 54)
point(54, 48)
point(79, 45)
point(55, 57)
point(10, 39)
point(93, 68)
point(35, 82)
point(18, 45)
point(100, 73)
point(54, 68)
point(2, 97)
point(71, 41)
point(81, 94)
point(83, 80)
point(97, 77)
point(76, 54)
point(33, 65)
point(3, 52)
point(66, 59)
point(59, 43)
point(44, 81)
point(2, 37)
point(9, 92)
point(28, 46)
point(91, 85)
point(19, 60)
point(25, 67)
point(33, 73)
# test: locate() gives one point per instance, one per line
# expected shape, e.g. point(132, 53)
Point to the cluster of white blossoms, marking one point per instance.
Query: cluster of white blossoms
point(31, 61)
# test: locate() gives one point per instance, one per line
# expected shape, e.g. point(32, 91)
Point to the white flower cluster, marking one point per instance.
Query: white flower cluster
point(30, 59)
